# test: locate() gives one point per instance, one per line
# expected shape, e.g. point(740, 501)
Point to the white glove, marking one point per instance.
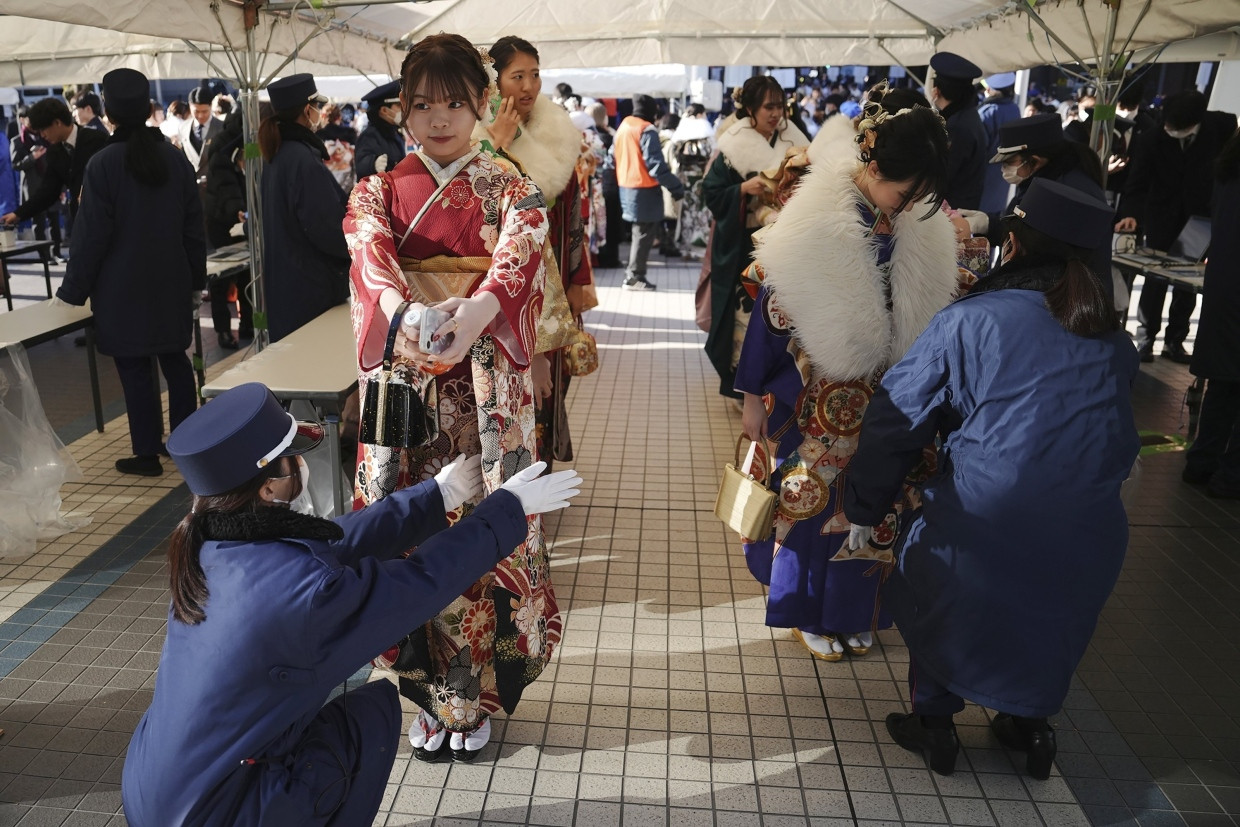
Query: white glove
point(381, 164)
point(979, 222)
point(57, 301)
point(859, 536)
point(539, 495)
point(460, 481)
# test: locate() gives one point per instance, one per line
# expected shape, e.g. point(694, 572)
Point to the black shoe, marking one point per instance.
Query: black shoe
point(465, 756)
point(940, 746)
point(670, 253)
point(1176, 353)
point(1147, 354)
point(430, 756)
point(1033, 736)
point(1195, 477)
point(245, 333)
point(228, 341)
point(140, 466)
point(79, 341)
point(638, 284)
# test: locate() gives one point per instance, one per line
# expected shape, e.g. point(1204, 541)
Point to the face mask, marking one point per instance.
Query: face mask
point(396, 113)
point(1181, 134)
point(1011, 174)
point(302, 503)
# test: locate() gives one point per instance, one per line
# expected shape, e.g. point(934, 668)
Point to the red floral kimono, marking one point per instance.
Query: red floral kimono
point(483, 229)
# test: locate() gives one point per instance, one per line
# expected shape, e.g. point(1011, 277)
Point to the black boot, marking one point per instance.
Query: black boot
point(1032, 735)
point(140, 466)
point(937, 741)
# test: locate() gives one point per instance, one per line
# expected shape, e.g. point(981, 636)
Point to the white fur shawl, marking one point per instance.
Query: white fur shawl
point(547, 148)
point(836, 139)
point(821, 271)
point(748, 152)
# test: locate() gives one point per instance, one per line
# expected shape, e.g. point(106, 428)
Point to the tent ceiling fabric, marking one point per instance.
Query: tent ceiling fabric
point(584, 33)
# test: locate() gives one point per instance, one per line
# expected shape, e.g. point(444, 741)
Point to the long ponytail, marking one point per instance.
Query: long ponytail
point(1076, 299)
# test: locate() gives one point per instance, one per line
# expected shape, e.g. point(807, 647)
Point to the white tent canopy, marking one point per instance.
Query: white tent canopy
point(589, 33)
point(664, 80)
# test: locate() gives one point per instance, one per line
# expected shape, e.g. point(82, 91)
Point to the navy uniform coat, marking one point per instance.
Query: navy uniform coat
point(305, 260)
point(1216, 351)
point(1002, 573)
point(378, 138)
point(287, 621)
point(138, 254)
point(967, 156)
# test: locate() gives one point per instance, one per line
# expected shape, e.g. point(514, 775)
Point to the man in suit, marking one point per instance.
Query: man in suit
point(1170, 179)
point(71, 148)
point(86, 111)
point(27, 151)
point(198, 132)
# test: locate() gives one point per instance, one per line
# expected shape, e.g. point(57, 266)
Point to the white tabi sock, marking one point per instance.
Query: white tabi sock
point(824, 645)
point(425, 732)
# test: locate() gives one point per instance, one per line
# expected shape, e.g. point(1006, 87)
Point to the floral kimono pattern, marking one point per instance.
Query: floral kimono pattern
point(483, 230)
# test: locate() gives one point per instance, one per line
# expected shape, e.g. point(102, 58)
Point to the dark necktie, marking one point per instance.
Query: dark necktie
point(198, 135)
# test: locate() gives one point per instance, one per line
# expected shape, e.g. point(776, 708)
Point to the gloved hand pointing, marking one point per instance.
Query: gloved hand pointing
point(539, 495)
point(460, 481)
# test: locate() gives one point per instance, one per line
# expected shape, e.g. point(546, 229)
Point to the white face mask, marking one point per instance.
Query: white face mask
point(1181, 134)
point(1011, 173)
point(302, 503)
point(395, 114)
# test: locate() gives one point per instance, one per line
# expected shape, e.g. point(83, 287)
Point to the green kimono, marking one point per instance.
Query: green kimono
point(731, 248)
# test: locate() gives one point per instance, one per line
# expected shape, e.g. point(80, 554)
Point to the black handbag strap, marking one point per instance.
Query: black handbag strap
point(393, 328)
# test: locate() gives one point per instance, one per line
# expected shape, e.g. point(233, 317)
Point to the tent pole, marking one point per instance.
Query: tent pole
point(253, 190)
point(1102, 130)
point(900, 63)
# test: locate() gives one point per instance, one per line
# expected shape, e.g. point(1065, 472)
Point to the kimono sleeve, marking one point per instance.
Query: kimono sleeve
point(765, 365)
point(518, 273)
point(374, 267)
point(904, 415)
point(721, 190)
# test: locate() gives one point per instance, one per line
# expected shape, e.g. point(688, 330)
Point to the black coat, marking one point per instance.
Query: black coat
point(1167, 183)
point(224, 195)
point(966, 158)
point(305, 260)
point(379, 138)
point(138, 254)
point(1216, 354)
point(32, 169)
point(64, 170)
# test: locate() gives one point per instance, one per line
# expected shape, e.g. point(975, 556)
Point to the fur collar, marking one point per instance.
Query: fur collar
point(836, 138)
point(1021, 274)
point(267, 524)
point(292, 131)
point(547, 148)
point(820, 268)
point(748, 152)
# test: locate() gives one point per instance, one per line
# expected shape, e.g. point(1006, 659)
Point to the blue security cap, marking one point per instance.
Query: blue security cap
point(952, 65)
point(1037, 132)
point(1001, 81)
point(294, 92)
point(850, 109)
point(1065, 213)
point(384, 95)
point(229, 441)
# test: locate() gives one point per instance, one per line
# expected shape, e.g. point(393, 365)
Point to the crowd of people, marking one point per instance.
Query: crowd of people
point(908, 401)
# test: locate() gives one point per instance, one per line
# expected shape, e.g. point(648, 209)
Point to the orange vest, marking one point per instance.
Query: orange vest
point(631, 169)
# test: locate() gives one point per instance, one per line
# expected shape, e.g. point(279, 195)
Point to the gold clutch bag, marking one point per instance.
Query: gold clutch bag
point(746, 505)
point(581, 353)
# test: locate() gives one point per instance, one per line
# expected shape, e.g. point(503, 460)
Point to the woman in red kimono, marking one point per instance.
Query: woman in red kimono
point(541, 138)
point(454, 226)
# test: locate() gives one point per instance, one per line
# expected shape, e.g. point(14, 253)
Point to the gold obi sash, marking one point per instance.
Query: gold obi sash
point(438, 278)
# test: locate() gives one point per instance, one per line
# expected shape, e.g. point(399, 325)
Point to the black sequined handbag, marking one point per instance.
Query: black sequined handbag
point(395, 414)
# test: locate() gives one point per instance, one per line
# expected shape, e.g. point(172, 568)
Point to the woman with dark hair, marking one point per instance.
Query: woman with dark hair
point(1214, 458)
point(138, 253)
point(305, 260)
point(1033, 148)
point(1003, 570)
point(758, 139)
point(859, 261)
point(272, 609)
point(456, 227)
point(541, 138)
point(223, 201)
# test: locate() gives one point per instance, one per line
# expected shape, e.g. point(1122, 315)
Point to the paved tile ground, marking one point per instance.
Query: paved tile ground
point(670, 702)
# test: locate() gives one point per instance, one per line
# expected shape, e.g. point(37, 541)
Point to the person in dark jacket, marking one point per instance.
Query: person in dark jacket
point(952, 94)
point(305, 261)
point(86, 112)
point(998, 108)
point(381, 145)
point(1170, 179)
point(1214, 458)
point(271, 609)
point(72, 147)
point(1033, 148)
point(1001, 574)
point(26, 152)
point(223, 203)
point(139, 255)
